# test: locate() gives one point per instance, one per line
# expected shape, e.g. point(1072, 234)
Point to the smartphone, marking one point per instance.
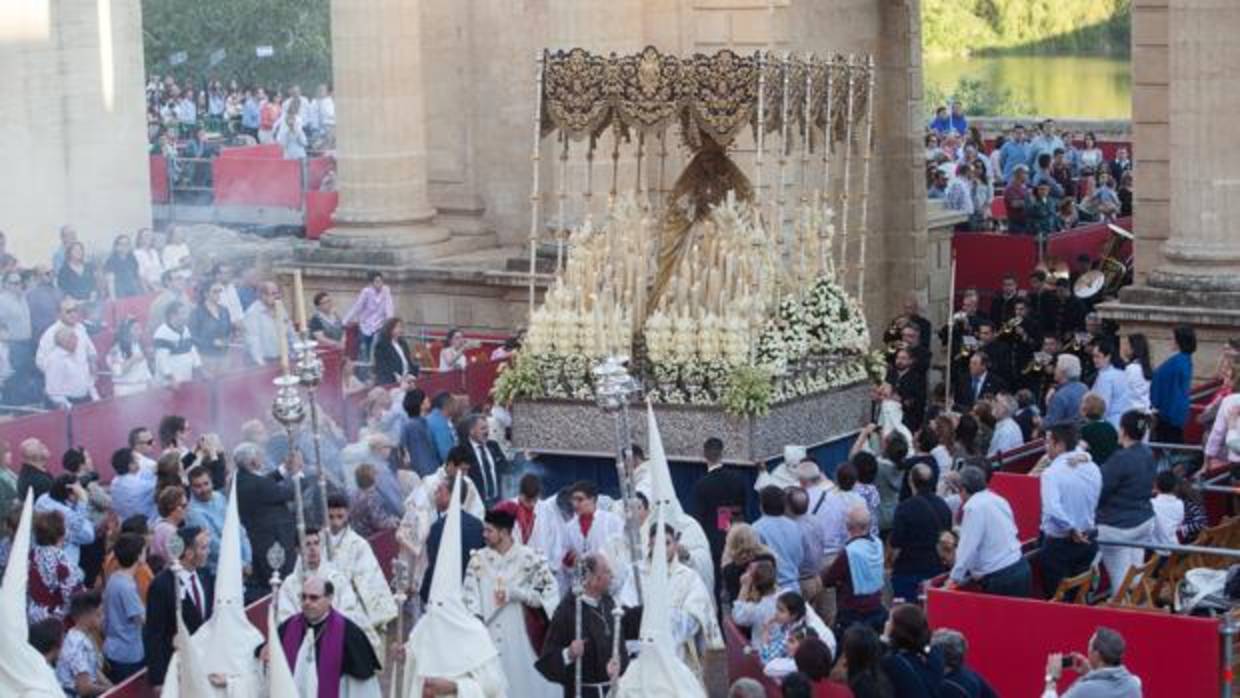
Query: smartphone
point(1066, 661)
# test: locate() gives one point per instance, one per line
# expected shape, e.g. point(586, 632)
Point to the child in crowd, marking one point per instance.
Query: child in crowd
point(124, 610)
point(80, 665)
point(1168, 508)
point(789, 619)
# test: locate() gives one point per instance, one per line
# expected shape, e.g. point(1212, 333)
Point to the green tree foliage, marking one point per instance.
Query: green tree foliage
point(962, 27)
point(982, 98)
point(297, 30)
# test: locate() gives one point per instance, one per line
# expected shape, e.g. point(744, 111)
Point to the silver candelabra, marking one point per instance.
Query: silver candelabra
point(310, 374)
point(289, 410)
point(614, 389)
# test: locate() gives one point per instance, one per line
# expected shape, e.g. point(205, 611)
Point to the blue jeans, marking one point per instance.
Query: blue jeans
point(845, 618)
point(119, 671)
point(907, 586)
point(1013, 580)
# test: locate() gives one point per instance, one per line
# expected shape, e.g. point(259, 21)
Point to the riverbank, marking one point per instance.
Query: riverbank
point(1103, 129)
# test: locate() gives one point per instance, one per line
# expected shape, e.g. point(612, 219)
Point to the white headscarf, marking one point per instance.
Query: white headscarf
point(23, 671)
point(448, 641)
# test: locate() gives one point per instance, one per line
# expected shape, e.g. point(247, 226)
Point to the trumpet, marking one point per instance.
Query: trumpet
point(1039, 363)
point(895, 329)
point(1009, 328)
point(893, 347)
point(968, 345)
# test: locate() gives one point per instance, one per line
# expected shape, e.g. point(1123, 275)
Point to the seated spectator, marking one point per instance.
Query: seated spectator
point(958, 196)
point(989, 551)
point(176, 358)
point(1120, 165)
point(959, 681)
point(857, 575)
point(54, 578)
point(746, 688)
point(1168, 508)
point(127, 361)
point(1040, 211)
point(1099, 436)
point(936, 187)
point(1066, 214)
point(932, 151)
point(1064, 404)
point(789, 618)
point(211, 326)
point(1007, 434)
point(754, 606)
point(741, 548)
point(68, 377)
point(912, 670)
point(452, 357)
point(325, 326)
point(1195, 520)
point(1124, 194)
point(1102, 672)
point(175, 252)
point(366, 513)
point(76, 277)
point(150, 266)
point(1103, 203)
point(80, 664)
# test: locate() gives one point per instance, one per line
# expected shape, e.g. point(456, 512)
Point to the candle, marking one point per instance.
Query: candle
point(300, 294)
point(282, 334)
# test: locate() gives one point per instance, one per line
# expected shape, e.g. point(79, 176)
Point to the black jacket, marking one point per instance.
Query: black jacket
point(31, 477)
point(161, 623)
point(911, 389)
point(388, 368)
point(502, 466)
point(263, 504)
point(471, 540)
point(964, 396)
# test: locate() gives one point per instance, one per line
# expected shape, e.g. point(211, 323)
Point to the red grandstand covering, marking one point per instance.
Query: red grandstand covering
point(243, 181)
point(1022, 493)
point(160, 192)
point(52, 428)
point(1174, 655)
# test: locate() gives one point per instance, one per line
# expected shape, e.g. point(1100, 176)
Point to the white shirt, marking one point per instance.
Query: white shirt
point(175, 355)
point(231, 300)
point(67, 376)
point(326, 107)
point(1070, 487)
point(261, 340)
point(1112, 385)
point(1168, 515)
point(189, 584)
point(1007, 436)
point(85, 347)
point(988, 538)
point(943, 457)
point(175, 254)
point(832, 516)
point(1138, 387)
point(132, 379)
point(150, 266)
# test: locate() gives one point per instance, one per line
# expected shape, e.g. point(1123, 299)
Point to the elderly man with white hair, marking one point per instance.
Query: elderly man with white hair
point(1063, 405)
point(263, 504)
point(857, 575)
point(69, 379)
point(1007, 435)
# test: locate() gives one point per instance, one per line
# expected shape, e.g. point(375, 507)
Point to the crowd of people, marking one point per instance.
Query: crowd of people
point(1049, 179)
point(188, 126)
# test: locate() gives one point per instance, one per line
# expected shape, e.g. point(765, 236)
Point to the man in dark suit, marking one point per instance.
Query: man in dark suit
point(471, 533)
point(718, 499)
point(977, 383)
point(908, 380)
point(33, 474)
point(263, 504)
point(1003, 306)
point(487, 463)
point(998, 354)
point(196, 590)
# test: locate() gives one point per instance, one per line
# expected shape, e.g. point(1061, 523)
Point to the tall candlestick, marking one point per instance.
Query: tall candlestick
point(282, 334)
point(299, 294)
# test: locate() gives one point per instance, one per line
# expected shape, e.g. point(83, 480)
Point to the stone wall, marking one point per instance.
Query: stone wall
point(72, 125)
point(1151, 127)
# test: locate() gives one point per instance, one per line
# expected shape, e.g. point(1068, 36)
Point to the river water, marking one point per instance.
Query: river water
point(1082, 87)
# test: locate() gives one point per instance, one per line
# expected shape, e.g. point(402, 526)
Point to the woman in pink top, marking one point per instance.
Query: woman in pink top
point(372, 308)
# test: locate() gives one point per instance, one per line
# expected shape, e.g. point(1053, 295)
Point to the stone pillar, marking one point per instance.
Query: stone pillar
point(385, 213)
point(1202, 254)
point(1196, 279)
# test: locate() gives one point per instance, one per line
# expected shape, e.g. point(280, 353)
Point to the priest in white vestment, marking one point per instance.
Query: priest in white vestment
point(449, 650)
point(539, 523)
point(288, 601)
point(511, 588)
point(420, 514)
point(593, 529)
point(224, 645)
point(353, 556)
point(658, 671)
point(23, 671)
point(330, 655)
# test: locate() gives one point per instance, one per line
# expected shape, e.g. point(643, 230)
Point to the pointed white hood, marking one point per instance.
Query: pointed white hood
point(190, 677)
point(448, 641)
point(658, 672)
point(279, 675)
point(228, 639)
point(23, 671)
point(661, 489)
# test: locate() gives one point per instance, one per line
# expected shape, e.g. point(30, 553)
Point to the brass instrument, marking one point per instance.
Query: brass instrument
point(968, 346)
point(1039, 363)
point(894, 347)
point(1109, 276)
point(895, 330)
point(1008, 330)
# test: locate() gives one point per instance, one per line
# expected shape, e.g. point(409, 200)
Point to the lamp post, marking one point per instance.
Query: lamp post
point(614, 389)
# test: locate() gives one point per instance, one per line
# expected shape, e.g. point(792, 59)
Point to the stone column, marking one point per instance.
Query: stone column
point(384, 214)
point(1202, 253)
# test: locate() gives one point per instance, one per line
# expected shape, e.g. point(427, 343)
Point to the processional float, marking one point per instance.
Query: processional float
point(720, 280)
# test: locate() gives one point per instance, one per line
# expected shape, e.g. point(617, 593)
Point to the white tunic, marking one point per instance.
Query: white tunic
point(695, 626)
point(175, 355)
point(306, 675)
point(606, 535)
point(527, 580)
point(353, 555)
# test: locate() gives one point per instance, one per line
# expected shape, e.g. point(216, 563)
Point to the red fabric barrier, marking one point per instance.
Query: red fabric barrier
point(137, 307)
point(1173, 655)
point(742, 664)
point(244, 396)
point(1021, 492)
point(316, 170)
point(983, 258)
point(261, 151)
point(52, 428)
point(257, 182)
point(331, 391)
point(479, 377)
point(320, 205)
point(1022, 458)
point(160, 192)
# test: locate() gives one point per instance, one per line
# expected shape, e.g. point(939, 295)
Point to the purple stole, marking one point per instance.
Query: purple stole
point(330, 650)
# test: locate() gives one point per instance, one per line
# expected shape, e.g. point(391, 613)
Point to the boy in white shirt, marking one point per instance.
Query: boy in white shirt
point(1168, 508)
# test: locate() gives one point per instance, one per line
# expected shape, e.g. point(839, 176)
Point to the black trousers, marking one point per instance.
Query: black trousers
point(1062, 558)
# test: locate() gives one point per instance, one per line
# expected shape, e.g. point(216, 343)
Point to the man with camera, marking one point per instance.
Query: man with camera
point(1102, 673)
